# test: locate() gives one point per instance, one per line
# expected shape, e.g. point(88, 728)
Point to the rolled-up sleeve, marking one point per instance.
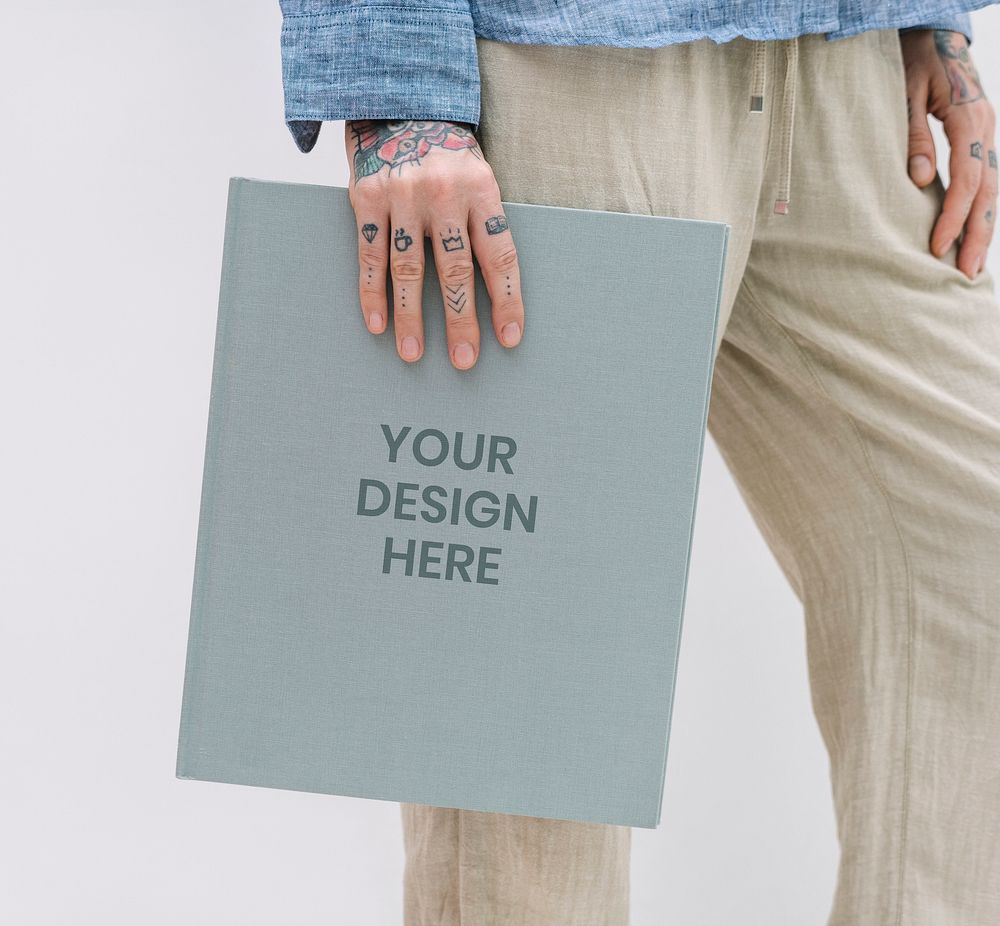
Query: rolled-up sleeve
point(350, 59)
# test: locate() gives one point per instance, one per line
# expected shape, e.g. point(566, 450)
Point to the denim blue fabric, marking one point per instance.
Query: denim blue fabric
point(416, 59)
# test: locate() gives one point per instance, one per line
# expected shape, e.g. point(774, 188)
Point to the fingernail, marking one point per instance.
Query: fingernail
point(511, 333)
point(411, 347)
point(920, 168)
point(375, 321)
point(464, 354)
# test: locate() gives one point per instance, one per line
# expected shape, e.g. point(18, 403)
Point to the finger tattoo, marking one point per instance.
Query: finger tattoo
point(993, 159)
point(453, 242)
point(496, 224)
point(369, 230)
point(402, 241)
point(456, 297)
point(976, 150)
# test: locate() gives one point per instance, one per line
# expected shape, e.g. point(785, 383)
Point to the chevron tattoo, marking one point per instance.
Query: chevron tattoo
point(455, 296)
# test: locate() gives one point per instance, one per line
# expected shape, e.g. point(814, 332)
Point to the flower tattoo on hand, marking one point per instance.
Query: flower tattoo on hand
point(378, 144)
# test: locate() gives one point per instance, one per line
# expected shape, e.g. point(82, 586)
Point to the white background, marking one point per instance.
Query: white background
point(122, 123)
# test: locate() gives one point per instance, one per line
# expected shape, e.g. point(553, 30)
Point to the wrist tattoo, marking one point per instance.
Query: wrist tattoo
point(953, 51)
point(394, 144)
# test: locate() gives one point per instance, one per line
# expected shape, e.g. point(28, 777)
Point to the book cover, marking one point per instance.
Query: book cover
point(458, 588)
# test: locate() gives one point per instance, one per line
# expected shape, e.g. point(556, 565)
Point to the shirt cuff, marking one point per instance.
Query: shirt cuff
point(408, 60)
point(961, 22)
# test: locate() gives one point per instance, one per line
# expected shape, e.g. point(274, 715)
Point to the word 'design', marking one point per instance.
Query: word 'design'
point(437, 504)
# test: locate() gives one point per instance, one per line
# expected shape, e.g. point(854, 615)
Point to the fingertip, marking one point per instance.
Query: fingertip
point(971, 266)
point(941, 239)
point(463, 355)
point(510, 334)
point(921, 170)
point(409, 348)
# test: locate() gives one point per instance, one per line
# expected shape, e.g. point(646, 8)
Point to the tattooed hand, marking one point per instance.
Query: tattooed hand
point(411, 180)
point(942, 80)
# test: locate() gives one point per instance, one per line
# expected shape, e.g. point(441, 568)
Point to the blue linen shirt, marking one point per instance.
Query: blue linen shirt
point(416, 59)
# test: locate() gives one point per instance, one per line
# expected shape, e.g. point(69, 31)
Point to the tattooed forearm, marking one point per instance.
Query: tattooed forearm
point(962, 76)
point(381, 143)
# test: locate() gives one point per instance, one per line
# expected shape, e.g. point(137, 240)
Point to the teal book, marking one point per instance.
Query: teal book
point(464, 589)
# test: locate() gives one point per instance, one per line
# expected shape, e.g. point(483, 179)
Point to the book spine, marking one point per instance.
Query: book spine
point(193, 673)
point(706, 400)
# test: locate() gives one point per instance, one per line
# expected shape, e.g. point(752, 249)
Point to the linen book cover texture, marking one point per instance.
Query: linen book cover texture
point(464, 589)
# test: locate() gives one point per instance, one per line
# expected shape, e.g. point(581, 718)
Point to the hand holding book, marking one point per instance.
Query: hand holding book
point(430, 596)
point(415, 179)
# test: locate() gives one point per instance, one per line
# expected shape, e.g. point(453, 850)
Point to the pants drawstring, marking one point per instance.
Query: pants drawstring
point(757, 77)
point(782, 203)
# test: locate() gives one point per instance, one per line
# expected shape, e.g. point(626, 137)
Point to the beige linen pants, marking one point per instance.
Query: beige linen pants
point(856, 400)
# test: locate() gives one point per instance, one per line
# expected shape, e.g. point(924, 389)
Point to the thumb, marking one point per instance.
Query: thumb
point(921, 160)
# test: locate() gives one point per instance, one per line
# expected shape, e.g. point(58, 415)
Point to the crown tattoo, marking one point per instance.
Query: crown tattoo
point(454, 242)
